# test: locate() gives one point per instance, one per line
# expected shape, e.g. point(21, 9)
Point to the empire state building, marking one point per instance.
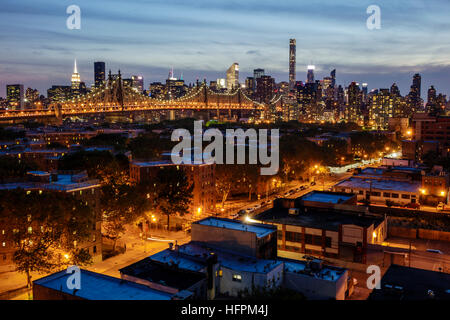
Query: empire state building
point(76, 80)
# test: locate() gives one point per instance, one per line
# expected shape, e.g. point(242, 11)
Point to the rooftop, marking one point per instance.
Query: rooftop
point(259, 229)
point(406, 283)
point(64, 183)
point(388, 185)
point(227, 259)
point(326, 272)
point(326, 197)
point(166, 275)
point(328, 219)
point(96, 286)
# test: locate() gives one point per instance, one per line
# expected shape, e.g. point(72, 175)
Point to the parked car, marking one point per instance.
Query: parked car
point(248, 210)
point(440, 206)
point(242, 212)
point(313, 183)
point(234, 215)
point(413, 206)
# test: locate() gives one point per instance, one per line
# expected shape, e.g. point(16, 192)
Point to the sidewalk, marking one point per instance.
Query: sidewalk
point(137, 249)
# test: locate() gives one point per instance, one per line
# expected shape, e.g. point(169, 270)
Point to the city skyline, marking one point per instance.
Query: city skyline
point(148, 37)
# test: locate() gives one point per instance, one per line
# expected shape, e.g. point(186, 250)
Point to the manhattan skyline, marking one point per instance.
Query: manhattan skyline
point(201, 39)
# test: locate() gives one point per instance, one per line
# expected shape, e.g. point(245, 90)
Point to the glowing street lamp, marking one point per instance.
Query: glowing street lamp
point(423, 191)
point(442, 193)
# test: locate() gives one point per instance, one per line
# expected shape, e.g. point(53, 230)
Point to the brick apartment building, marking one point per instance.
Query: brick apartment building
point(76, 183)
point(202, 176)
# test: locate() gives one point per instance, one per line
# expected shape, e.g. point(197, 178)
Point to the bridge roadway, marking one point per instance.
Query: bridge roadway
point(51, 113)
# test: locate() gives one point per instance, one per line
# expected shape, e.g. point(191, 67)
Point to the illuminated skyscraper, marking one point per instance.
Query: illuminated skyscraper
point(233, 76)
point(258, 73)
point(310, 75)
point(264, 88)
point(137, 83)
point(333, 77)
point(15, 96)
point(417, 84)
point(99, 73)
point(76, 79)
point(292, 59)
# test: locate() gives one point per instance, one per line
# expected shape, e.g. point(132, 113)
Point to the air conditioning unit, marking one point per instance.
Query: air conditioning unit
point(294, 211)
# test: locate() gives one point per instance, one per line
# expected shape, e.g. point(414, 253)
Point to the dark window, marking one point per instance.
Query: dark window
point(308, 238)
point(394, 195)
point(386, 194)
point(328, 242)
point(405, 196)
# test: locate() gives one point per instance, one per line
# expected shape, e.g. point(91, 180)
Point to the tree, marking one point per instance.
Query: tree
point(102, 165)
point(116, 140)
point(226, 177)
point(121, 204)
point(13, 168)
point(149, 146)
point(172, 192)
point(45, 228)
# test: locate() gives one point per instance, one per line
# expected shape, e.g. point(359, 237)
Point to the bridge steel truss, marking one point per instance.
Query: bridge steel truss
point(115, 97)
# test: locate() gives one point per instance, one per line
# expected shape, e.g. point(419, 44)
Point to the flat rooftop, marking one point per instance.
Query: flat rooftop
point(388, 185)
point(167, 275)
point(328, 219)
point(326, 273)
point(64, 183)
point(96, 286)
point(406, 283)
point(259, 229)
point(326, 197)
point(228, 259)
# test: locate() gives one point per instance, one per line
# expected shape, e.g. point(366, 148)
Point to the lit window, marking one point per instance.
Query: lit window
point(3, 244)
point(30, 229)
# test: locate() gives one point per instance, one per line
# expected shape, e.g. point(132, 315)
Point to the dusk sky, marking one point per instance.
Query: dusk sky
point(202, 38)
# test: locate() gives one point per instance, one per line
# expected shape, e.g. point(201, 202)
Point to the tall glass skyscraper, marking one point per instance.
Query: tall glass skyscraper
point(233, 76)
point(99, 73)
point(292, 59)
point(310, 75)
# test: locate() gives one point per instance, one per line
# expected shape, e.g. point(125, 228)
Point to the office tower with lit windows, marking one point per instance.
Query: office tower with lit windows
point(333, 78)
point(221, 84)
point(381, 109)
point(354, 103)
point(15, 95)
point(310, 75)
point(250, 85)
point(364, 92)
point(265, 86)
point(137, 82)
point(99, 74)
point(414, 96)
point(233, 76)
point(258, 73)
point(292, 61)
point(417, 84)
